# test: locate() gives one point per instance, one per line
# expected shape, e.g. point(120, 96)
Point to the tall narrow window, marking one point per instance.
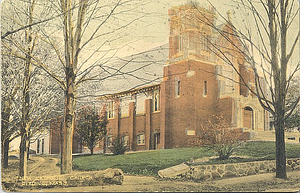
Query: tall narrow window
point(206, 43)
point(155, 99)
point(177, 87)
point(110, 110)
point(125, 106)
point(180, 43)
point(205, 88)
point(38, 146)
point(43, 145)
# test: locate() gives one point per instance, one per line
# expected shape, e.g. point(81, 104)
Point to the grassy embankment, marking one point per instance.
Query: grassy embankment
point(150, 162)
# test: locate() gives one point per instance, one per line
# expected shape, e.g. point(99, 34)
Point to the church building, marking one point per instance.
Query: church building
point(198, 84)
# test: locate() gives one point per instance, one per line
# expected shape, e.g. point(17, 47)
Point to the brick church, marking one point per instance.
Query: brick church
point(196, 85)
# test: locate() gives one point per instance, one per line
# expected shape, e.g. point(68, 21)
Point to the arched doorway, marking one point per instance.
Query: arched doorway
point(248, 118)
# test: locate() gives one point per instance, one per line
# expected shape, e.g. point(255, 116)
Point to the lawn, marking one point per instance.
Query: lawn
point(267, 150)
point(150, 162)
point(257, 151)
point(143, 163)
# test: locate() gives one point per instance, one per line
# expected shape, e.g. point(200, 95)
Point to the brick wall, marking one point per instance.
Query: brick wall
point(55, 138)
point(191, 109)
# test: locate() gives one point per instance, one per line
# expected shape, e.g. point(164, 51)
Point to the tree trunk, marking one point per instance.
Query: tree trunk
point(25, 121)
point(280, 148)
point(72, 48)
point(69, 120)
point(92, 151)
point(61, 144)
point(5, 114)
point(5, 148)
point(104, 144)
point(23, 170)
point(279, 76)
point(25, 124)
point(28, 148)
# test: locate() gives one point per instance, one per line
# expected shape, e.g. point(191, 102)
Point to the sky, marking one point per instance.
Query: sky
point(153, 29)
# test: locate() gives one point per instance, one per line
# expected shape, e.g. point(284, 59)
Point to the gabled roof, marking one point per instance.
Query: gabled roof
point(138, 71)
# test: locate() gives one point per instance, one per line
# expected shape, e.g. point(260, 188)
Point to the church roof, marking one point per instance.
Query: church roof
point(138, 71)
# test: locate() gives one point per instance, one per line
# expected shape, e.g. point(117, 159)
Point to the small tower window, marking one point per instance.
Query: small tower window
point(180, 43)
point(205, 88)
point(177, 87)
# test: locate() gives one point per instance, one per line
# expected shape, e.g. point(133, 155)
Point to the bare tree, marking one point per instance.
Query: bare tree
point(9, 89)
point(84, 22)
point(84, 26)
point(218, 135)
point(265, 47)
point(22, 46)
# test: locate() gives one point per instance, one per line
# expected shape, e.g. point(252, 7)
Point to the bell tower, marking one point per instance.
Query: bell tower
point(189, 86)
point(190, 33)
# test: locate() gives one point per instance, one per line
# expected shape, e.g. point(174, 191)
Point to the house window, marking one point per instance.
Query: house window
point(205, 88)
point(38, 146)
point(125, 140)
point(155, 99)
point(177, 87)
point(43, 144)
point(111, 110)
point(109, 141)
point(141, 139)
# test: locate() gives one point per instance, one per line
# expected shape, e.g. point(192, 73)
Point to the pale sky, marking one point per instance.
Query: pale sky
point(153, 30)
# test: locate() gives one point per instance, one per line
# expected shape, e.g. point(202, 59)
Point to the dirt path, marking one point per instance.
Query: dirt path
point(44, 165)
point(263, 182)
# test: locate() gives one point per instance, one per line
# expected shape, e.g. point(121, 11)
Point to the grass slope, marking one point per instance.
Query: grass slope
point(150, 162)
point(143, 163)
